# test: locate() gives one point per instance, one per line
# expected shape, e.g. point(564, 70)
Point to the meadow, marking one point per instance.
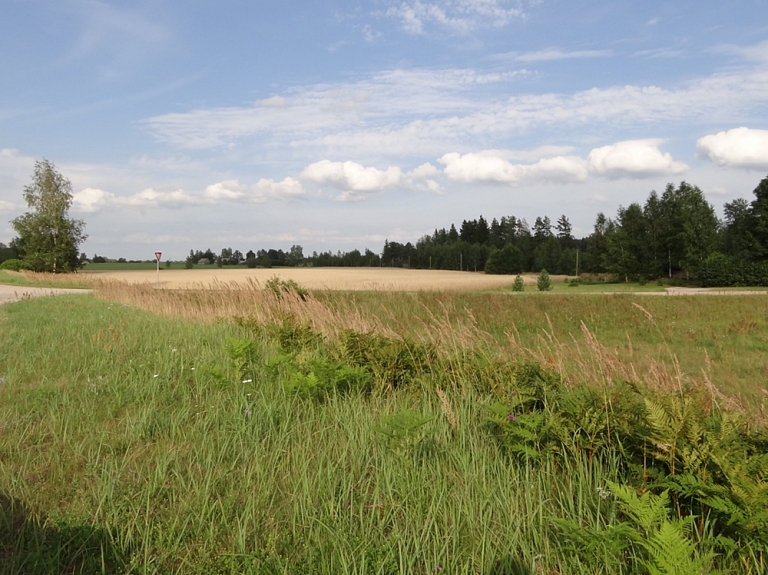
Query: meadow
point(282, 430)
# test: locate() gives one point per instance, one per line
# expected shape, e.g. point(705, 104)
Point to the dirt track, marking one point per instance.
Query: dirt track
point(16, 293)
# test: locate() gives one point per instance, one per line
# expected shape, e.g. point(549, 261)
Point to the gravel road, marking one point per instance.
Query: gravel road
point(15, 293)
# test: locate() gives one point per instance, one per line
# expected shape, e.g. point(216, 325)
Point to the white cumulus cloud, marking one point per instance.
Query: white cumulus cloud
point(152, 198)
point(630, 159)
point(490, 167)
point(736, 148)
point(633, 159)
point(91, 200)
point(355, 180)
point(353, 177)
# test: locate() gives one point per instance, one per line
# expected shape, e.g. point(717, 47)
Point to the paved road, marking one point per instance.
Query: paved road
point(15, 293)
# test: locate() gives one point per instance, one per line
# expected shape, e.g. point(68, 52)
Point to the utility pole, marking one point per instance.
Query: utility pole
point(577, 262)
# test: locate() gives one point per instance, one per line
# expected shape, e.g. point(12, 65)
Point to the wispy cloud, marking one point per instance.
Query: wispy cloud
point(91, 200)
point(552, 54)
point(113, 35)
point(424, 112)
point(260, 192)
point(458, 16)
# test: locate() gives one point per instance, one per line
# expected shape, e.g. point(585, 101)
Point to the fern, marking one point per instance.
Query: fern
point(406, 434)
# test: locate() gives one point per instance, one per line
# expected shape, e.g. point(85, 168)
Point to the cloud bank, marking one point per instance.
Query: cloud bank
point(629, 159)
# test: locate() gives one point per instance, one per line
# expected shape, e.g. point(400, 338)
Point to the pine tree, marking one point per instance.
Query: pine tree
point(543, 282)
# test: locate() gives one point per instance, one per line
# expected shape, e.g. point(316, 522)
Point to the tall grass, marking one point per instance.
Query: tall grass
point(174, 440)
point(702, 341)
point(126, 454)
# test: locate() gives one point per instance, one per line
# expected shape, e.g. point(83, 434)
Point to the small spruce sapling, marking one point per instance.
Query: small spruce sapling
point(543, 282)
point(518, 285)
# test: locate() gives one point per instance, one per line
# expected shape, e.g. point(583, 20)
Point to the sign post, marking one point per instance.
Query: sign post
point(158, 255)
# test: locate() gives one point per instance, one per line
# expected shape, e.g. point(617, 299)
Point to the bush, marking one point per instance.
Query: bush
point(721, 271)
point(280, 286)
point(544, 283)
point(189, 264)
point(519, 285)
point(14, 265)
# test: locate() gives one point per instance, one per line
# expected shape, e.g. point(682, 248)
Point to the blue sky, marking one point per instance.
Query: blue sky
point(336, 125)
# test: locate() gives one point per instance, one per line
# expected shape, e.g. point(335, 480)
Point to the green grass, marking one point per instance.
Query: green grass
point(68, 281)
point(115, 266)
point(599, 287)
point(125, 444)
point(132, 443)
point(726, 335)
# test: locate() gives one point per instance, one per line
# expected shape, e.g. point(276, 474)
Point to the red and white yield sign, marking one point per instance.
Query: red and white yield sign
point(158, 255)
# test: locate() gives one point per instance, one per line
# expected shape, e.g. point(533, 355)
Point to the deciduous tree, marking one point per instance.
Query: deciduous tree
point(50, 238)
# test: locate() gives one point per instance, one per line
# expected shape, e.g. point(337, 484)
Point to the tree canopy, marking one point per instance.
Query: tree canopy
point(48, 238)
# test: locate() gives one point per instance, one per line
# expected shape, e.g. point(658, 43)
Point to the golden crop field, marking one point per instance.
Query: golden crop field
point(374, 279)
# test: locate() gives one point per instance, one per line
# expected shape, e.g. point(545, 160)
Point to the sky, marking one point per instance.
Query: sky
point(336, 125)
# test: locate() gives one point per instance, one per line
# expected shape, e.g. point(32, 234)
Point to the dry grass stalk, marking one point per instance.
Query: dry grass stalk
point(445, 405)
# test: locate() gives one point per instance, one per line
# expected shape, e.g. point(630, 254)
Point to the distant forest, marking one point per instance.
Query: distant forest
point(675, 234)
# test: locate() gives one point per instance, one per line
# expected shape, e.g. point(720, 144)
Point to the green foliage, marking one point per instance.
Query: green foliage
point(393, 362)
point(280, 287)
point(406, 434)
point(507, 260)
point(293, 336)
point(720, 270)
point(48, 238)
point(322, 377)
point(14, 265)
point(519, 284)
point(543, 282)
point(241, 353)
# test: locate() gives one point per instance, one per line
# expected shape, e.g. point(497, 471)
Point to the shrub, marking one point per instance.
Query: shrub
point(544, 283)
point(14, 265)
point(519, 285)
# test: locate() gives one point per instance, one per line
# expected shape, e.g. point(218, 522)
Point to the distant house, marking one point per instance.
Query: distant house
point(203, 262)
